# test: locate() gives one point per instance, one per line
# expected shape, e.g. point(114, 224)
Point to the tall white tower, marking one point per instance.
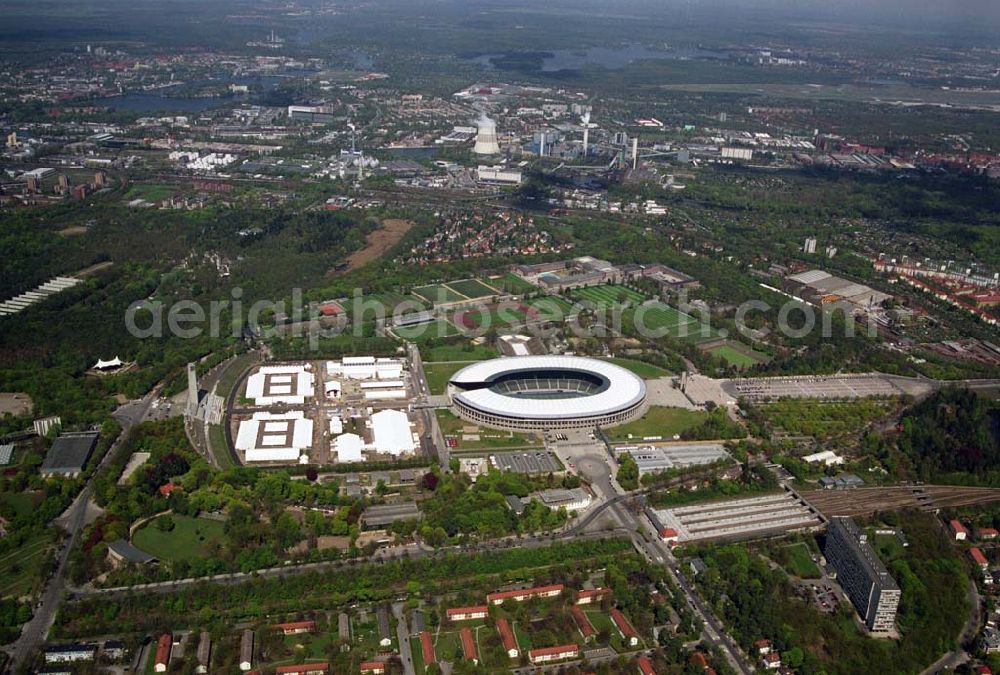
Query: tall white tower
point(635, 152)
point(192, 398)
point(486, 138)
point(587, 126)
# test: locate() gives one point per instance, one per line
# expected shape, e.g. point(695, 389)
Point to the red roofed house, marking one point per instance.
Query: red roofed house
point(961, 534)
point(645, 667)
point(772, 660)
point(523, 594)
point(469, 646)
point(586, 597)
point(374, 667)
point(979, 558)
point(507, 637)
point(583, 623)
point(984, 670)
point(296, 627)
point(669, 535)
point(987, 533)
point(549, 654)
point(699, 660)
point(168, 489)
point(427, 647)
point(319, 668)
point(467, 613)
point(163, 653)
point(763, 646)
point(624, 627)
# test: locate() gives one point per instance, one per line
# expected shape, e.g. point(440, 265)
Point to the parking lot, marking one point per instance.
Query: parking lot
point(830, 387)
point(533, 461)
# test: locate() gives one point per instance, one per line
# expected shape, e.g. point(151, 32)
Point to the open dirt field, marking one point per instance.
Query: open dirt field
point(379, 241)
point(14, 403)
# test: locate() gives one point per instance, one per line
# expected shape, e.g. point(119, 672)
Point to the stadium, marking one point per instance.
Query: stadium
point(536, 393)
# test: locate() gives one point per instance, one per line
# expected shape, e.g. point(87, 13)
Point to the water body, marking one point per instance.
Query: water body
point(612, 58)
point(160, 101)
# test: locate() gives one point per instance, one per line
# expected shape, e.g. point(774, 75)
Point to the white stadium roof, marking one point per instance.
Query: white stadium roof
point(622, 388)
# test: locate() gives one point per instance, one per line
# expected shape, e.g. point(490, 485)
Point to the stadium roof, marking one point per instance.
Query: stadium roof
point(621, 388)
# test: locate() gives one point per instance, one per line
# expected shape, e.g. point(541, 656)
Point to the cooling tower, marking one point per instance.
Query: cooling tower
point(486, 138)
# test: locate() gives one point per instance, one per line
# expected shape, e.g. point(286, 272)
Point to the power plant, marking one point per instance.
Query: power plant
point(486, 137)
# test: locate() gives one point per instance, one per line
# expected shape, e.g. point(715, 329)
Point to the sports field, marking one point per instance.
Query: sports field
point(733, 357)
point(662, 317)
point(511, 283)
point(438, 374)
point(608, 294)
point(472, 288)
point(502, 316)
point(437, 293)
point(459, 350)
point(426, 331)
point(647, 371)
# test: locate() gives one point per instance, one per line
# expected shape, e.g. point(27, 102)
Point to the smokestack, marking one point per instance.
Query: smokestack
point(586, 140)
point(635, 153)
point(541, 146)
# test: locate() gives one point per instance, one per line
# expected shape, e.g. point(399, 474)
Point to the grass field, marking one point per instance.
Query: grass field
point(472, 288)
point(488, 438)
point(551, 307)
point(21, 503)
point(659, 421)
point(462, 350)
point(733, 356)
point(20, 569)
point(220, 448)
point(439, 328)
point(798, 561)
point(190, 538)
point(661, 316)
point(511, 283)
point(501, 317)
point(150, 192)
point(608, 294)
point(644, 370)
point(437, 293)
point(438, 375)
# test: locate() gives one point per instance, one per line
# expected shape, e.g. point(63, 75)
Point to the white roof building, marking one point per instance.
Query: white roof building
point(275, 437)
point(392, 432)
point(828, 457)
point(348, 448)
point(280, 384)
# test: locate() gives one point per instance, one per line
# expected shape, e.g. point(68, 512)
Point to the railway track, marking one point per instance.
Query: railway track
point(865, 501)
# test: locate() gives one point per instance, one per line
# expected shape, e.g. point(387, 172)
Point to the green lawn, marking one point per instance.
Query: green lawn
point(488, 438)
point(659, 421)
point(437, 293)
point(191, 538)
point(511, 283)
point(462, 350)
point(733, 356)
point(551, 308)
point(438, 375)
point(21, 503)
point(644, 370)
point(798, 561)
point(20, 569)
point(472, 288)
point(608, 294)
point(150, 192)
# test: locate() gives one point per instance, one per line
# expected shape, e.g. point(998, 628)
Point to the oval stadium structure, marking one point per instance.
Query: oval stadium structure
point(535, 393)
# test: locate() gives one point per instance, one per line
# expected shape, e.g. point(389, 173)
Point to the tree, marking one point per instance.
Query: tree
point(628, 473)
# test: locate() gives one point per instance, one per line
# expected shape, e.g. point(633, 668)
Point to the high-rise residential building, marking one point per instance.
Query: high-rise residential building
point(862, 575)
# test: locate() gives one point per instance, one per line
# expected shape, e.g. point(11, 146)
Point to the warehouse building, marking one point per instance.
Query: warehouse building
point(734, 519)
point(654, 459)
point(69, 454)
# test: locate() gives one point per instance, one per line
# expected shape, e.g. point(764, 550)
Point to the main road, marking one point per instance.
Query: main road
point(34, 633)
